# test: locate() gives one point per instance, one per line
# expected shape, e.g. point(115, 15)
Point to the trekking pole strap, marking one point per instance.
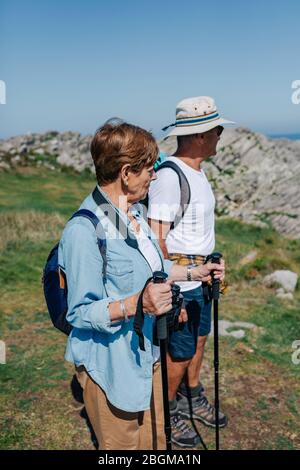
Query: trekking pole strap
point(139, 318)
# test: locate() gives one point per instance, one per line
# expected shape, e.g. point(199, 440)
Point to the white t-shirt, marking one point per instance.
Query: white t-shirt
point(195, 233)
point(149, 251)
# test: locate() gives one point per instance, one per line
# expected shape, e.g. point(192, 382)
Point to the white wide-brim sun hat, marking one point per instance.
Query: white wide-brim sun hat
point(197, 115)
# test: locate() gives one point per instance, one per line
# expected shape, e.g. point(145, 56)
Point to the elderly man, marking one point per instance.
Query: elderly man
point(187, 240)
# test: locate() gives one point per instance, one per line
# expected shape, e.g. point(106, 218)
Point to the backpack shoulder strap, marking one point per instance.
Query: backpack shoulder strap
point(88, 215)
point(100, 233)
point(185, 190)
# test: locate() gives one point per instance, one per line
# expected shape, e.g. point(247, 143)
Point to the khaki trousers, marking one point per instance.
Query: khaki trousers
point(121, 430)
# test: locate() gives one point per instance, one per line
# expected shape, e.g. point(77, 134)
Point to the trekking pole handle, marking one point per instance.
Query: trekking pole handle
point(215, 258)
point(161, 322)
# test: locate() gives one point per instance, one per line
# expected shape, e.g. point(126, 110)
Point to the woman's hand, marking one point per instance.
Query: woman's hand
point(157, 298)
point(203, 271)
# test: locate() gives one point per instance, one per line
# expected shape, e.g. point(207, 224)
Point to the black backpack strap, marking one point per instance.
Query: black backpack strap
point(138, 322)
point(100, 233)
point(185, 190)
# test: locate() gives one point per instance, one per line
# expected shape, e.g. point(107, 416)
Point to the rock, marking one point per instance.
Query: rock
point(244, 324)
point(236, 334)
point(16, 160)
point(4, 166)
point(251, 256)
point(65, 159)
point(23, 149)
point(53, 146)
point(239, 333)
point(39, 151)
point(285, 296)
point(286, 279)
point(50, 134)
point(7, 146)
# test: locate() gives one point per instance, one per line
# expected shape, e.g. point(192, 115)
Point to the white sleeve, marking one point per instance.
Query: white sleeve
point(164, 196)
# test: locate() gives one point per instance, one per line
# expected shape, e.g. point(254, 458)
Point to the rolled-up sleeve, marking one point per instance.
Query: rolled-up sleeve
point(87, 300)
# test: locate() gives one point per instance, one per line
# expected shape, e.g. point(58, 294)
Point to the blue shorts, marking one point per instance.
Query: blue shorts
point(182, 344)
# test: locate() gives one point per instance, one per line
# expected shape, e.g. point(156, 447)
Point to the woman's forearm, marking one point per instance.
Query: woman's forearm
point(115, 310)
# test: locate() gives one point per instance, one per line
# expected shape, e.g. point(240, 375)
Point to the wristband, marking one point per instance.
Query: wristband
point(124, 311)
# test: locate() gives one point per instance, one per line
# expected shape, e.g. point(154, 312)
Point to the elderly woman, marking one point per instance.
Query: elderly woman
point(121, 383)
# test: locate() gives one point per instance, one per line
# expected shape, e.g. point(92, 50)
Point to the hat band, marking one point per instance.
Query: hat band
point(197, 120)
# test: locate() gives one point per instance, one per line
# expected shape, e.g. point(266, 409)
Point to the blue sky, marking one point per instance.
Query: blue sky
point(70, 65)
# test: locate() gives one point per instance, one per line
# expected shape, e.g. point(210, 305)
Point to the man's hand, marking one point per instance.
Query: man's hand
point(183, 316)
point(203, 272)
point(222, 263)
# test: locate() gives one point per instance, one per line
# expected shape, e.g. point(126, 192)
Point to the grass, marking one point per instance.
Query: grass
point(41, 190)
point(259, 383)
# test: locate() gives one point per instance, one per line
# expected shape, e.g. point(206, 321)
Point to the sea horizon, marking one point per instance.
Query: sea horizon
point(288, 136)
point(284, 136)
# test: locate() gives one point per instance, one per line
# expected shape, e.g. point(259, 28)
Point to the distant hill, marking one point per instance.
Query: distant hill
point(255, 178)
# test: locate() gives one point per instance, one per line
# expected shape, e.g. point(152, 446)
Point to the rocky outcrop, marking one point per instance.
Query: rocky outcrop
point(52, 150)
point(285, 281)
point(255, 179)
point(235, 329)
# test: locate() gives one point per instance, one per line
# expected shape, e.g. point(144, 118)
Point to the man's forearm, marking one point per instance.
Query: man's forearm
point(177, 273)
point(160, 230)
point(164, 249)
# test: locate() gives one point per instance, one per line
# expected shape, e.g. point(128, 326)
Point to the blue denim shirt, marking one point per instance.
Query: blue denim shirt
point(109, 351)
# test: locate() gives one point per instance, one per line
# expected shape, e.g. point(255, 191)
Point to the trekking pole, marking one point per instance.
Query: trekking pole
point(162, 335)
point(215, 294)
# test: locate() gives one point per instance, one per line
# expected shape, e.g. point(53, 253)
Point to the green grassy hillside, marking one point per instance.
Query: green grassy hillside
point(259, 383)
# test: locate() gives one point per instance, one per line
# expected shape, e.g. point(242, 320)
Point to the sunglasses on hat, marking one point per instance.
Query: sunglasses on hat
point(219, 129)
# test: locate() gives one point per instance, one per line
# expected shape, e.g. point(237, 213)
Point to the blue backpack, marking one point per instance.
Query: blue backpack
point(161, 158)
point(54, 277)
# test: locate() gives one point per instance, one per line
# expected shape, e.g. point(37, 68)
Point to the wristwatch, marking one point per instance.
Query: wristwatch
point(189, 273)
